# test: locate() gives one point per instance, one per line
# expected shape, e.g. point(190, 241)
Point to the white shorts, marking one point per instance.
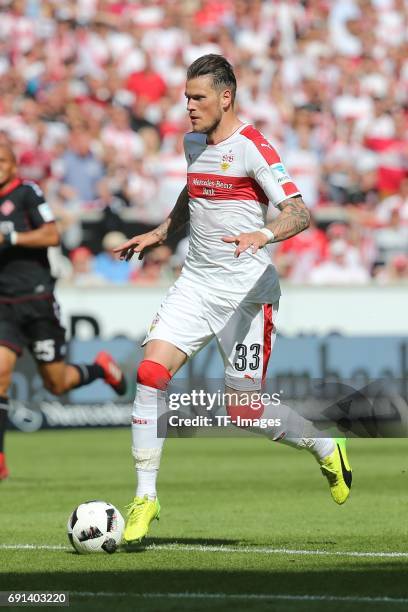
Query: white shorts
point(189, 317)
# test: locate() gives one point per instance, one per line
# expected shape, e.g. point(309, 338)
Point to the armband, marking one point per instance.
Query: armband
point(10, 239)
point(268, 233)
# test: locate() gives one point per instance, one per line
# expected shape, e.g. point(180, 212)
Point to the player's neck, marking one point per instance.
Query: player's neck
point(224, 130)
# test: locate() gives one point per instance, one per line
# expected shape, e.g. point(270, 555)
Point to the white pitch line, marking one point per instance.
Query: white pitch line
point(264, 550)
point(243, 596)
point(260, 550)
point(33, 547)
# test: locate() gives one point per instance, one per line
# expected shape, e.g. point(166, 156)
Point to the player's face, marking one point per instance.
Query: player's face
point(204, 104)
point(7, 166)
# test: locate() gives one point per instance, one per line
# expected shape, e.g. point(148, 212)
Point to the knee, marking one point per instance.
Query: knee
point(55, 386)
point(153, 374)
point(243, 400)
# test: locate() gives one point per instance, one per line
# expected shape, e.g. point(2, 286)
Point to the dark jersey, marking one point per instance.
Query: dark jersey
point(23, 272)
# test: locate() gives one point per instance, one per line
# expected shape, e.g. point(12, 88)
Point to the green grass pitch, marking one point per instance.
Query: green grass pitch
point(238, 515)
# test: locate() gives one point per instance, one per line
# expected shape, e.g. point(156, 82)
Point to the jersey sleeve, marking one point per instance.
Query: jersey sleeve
point(264, 165)
point(37, 209)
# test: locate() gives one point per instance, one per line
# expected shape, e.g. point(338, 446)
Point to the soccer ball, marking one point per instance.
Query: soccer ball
point(95, 527)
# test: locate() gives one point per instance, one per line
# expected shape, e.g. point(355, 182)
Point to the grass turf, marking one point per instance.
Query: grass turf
point(235, 492)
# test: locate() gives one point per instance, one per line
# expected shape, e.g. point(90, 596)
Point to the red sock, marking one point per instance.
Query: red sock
point(244, 412)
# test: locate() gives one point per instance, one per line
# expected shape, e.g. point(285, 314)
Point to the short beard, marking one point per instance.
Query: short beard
point(210, 129)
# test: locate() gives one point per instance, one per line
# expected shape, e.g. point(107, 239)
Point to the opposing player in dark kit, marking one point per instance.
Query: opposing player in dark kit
point(29, 313)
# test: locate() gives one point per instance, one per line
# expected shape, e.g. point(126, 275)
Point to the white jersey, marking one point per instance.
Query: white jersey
point(229, 186)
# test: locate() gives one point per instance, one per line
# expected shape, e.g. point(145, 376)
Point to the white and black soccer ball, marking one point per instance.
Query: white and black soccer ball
point(95, 527)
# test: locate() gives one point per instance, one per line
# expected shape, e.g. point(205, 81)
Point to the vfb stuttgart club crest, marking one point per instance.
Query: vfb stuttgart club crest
point(226, 160)
point(7, 208)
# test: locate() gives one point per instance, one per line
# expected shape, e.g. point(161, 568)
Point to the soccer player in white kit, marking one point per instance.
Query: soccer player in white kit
point(228, 287)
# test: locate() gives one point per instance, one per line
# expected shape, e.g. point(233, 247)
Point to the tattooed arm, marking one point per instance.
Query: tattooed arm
point(178, 217)
point(293, 219)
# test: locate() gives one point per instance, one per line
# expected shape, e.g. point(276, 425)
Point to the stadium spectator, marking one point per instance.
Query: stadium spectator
point(155, 269)
point(397, 201)
point(147, 83)
point(82, 274)
point(79, 169)
point(395, 271)
point(141, 190)
point(347, 234)
point(393, 238)
point(106, 265)
point(337, 270)
point(295, 257)
point(169, 171)
point(303, 164)
point(119, 135)
point(327, 81)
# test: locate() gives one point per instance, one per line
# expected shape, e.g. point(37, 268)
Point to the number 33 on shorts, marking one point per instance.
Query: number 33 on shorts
point(246, 358)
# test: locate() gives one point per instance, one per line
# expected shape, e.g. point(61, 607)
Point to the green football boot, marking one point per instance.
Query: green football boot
point(336, 468)
point(140, 513)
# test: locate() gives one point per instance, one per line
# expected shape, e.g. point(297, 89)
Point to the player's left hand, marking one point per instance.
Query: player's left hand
point(253, 240)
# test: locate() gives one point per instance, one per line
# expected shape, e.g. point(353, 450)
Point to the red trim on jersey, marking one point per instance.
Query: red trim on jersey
point(264, 147)
point(267, 346)
point(13, 347)
point(4, 299)
point(221, 187)
point(10, 187)
point(290, 189)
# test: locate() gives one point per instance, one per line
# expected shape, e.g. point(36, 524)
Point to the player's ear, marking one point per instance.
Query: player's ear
point(226, 99)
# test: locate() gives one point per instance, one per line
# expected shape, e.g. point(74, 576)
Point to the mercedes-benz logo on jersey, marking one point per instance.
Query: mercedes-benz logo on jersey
point(226, 160)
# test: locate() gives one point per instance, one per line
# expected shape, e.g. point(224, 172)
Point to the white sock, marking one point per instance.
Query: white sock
point(295, 431)
point(147, 446)
point(319, 447)
point(146, 483)
point(322, 447)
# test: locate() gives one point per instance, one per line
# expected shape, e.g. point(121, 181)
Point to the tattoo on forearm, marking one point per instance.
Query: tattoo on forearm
point(161, 231)
point(294, 218)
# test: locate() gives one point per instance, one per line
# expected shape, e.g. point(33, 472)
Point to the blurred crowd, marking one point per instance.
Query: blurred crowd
point(92, 99)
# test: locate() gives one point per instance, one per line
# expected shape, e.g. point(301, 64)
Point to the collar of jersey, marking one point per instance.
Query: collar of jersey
point(14, 183)
point(241, 127)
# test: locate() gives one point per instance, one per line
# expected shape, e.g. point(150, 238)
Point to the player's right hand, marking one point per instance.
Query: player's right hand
point(139, 244)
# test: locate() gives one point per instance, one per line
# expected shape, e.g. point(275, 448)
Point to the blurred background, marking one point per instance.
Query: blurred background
point(92, 99)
